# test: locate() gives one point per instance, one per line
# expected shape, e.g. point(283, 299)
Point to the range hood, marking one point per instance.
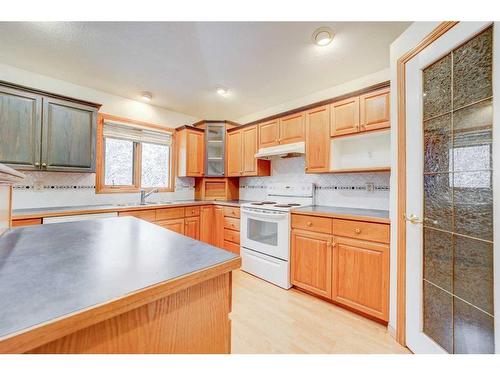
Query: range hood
point(282, 151)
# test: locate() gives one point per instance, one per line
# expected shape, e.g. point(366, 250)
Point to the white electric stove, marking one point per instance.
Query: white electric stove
point(265, 231)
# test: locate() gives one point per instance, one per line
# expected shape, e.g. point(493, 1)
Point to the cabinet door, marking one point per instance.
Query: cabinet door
point(344, 116)
point(269, 133)
point(292, 128)
point(234, 153)
point(20, 128)
point(219, 227)
point(374, 110)
point(68, 136)
point(249, 141)
point(206, 224)
point(361, 276)
point(311, 262)
point(192, 227)
point(318, 140)
point(176, 225)
point(195, 156)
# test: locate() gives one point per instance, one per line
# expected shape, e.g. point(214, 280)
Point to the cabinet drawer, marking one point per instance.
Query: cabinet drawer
point(232, 247)
point(192, 211)
point(169, 213)
point(362, 230)
point(312, 223)
point(232, 212)
point(148, 215)
point(231, 223)
point(232, 235)
point(26, 222)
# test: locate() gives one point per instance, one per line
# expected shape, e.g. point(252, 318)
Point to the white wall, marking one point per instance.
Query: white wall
point(332, 92)
point(60, 188)
point(111, 104)
point(405, 42)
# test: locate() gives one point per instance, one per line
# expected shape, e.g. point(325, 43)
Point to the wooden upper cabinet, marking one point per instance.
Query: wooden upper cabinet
point(196, 153)
point(248, 160)
point(375, 110)
point(311, 262)
point(269, 133)
point(318, 140)
point(59, 137)
point(192, 227)
point(20, 128)
point(344, 116)
point(68, 136)
point(234, 153)
point(292, 128)
point(190, 152)
point(361, 276)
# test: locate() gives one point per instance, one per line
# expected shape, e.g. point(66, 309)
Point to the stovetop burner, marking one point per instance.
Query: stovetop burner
point(262, 203)
point(286, 205)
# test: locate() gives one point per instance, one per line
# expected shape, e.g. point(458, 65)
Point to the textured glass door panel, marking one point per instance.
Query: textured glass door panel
point(263, 231)
point(215, 168)
point(458, 199)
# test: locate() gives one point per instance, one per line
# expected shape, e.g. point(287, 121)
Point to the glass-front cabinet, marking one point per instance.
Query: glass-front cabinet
point(215, 149)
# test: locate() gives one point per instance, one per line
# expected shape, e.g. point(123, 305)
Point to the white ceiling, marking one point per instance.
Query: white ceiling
point(181, 63)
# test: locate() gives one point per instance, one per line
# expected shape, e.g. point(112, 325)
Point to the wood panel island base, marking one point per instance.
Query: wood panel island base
point(169, 294)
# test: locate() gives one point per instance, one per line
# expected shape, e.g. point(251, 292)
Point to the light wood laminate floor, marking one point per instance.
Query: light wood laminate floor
point(267, 319)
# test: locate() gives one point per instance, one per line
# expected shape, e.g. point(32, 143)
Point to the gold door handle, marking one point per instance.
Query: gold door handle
point(414, 219)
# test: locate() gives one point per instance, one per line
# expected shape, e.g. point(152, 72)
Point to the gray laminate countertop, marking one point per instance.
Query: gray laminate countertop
point(97, 208)
point(50, 271)
point(345, 212)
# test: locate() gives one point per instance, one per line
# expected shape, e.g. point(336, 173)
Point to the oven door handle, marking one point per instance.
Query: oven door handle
point(264, 215)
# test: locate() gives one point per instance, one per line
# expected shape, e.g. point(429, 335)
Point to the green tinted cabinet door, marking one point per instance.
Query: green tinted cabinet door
point(68, 136)
point(20, 128)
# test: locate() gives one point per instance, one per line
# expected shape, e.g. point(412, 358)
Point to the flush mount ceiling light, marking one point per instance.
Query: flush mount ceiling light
point(147, 96)
point(222, 91)
point(322, 36)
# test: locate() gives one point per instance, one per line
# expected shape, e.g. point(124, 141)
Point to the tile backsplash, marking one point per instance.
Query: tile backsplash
point(49, 189)
point(341, 189)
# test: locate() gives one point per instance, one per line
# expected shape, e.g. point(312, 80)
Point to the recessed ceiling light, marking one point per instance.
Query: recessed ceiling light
point(147, 96)
point(222, 91)
point(322, 36)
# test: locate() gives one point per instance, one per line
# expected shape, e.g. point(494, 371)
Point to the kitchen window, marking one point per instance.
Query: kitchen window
point(133, 156)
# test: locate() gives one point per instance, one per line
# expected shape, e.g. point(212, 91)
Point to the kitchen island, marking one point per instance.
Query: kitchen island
point(115, 285)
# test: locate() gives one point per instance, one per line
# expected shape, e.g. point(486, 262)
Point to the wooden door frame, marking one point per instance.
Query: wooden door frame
point(441, 29)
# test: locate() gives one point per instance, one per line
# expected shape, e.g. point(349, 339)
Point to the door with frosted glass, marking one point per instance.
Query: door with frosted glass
point(450, 194)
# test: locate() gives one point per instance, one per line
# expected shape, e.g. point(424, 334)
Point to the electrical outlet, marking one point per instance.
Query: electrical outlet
point(38, 185)
point(370, 186)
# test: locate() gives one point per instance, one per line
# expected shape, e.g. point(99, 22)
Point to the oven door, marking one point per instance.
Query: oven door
point(265, 232)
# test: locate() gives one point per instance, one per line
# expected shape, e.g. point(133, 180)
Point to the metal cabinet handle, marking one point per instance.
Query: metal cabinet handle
point(37, 164)
point(44, 165)
point(357, 231)
point(309, 223)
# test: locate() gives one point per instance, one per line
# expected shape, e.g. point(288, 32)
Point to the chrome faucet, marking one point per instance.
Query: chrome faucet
point(144, 195)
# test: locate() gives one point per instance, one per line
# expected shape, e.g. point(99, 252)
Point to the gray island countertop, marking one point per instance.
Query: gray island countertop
point(50, 271)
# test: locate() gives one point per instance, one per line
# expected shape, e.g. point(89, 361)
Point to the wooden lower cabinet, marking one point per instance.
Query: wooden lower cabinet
point(361, 276)
point(176, 225)
point(311, 262)
point(192, 227)
point(218, 227)
point(206, 224)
